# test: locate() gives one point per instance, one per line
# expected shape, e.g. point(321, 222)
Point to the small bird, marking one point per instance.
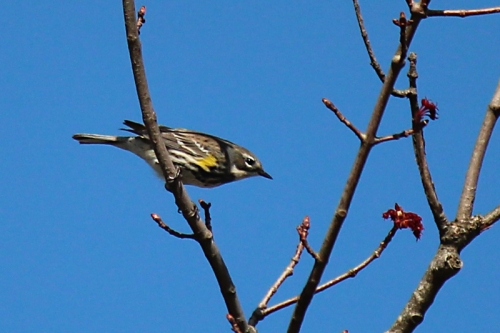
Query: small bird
point(205, 160)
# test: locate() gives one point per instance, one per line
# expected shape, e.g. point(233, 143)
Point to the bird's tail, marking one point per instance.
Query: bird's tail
point(98, 139)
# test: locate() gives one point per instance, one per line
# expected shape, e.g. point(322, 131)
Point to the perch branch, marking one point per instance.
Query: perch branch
point(173, 181)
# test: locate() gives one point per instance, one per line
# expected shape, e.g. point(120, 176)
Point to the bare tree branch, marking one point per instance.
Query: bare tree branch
point(491, 218)
point(349, 274)
point(352, 181)
point(463, 12)
point(445, 264)
point(355, 270)
point(206, 208)
point(455, 237)
point(257, 314)
point(364, 34)
point(419, 149)
point(373, 60)
point(343, 119)
point(173, 181)
point(402, 23)
point(466, 203)
point(303, 231)
point(171, 231)
point(148, 113)
point(396, 136)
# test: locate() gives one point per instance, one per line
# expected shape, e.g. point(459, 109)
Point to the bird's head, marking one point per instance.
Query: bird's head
point(245, 164)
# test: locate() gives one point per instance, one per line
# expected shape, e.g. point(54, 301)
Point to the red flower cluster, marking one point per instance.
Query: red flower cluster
point(405, 220)
point(428, 109)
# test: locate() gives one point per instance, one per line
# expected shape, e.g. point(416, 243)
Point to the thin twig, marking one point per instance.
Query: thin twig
point(399, 93)
point(419, 150)
point(463, 12)
point(303, 231)
point(171, 231)
point(354, 271)
point(349, 274)
point(140, 18)
point(373, 60)
point(466, 203)
point(172, 176)
point(287, 272)
point(491, 218)
point(343, 119)
point(396, 136)
point(364, 34)
point(402, 23)
point(206, 208)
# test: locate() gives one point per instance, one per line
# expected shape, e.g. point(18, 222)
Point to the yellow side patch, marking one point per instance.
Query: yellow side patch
point(207, 162)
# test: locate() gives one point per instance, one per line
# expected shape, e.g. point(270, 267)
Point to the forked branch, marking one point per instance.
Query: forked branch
point(349, 274)
point(352, 181)
point(454, 238)
point(302, 230)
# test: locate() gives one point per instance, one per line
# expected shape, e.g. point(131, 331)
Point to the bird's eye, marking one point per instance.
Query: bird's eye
point(249, 161)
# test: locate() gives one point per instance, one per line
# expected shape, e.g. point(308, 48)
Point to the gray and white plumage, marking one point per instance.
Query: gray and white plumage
point(205, 160)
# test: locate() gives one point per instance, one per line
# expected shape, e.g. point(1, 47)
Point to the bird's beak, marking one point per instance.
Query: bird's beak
point(265, 174)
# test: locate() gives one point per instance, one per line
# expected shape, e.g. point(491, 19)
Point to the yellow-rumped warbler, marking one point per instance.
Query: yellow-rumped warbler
point(205, 160)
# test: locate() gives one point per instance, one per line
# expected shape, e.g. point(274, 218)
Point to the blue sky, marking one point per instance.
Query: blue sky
point(78, 250)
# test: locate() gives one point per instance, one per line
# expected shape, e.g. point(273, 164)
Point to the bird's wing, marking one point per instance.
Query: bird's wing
point(180, 139)
point(191, 143)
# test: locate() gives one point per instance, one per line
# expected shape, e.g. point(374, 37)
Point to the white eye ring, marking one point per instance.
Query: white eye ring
point(249, 161)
